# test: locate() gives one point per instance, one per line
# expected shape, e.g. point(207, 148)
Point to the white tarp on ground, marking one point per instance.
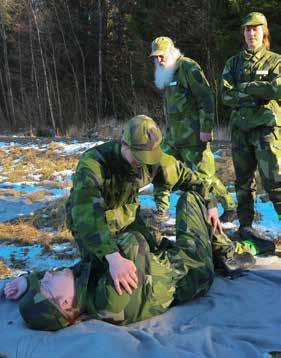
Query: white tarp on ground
point(238, 318)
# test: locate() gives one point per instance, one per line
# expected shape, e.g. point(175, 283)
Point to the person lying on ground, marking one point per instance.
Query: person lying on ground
point(175, 273)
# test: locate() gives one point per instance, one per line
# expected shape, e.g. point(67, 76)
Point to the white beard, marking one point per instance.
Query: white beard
point(164, 73)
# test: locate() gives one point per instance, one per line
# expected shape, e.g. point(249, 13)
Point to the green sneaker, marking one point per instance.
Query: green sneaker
point(257, 242)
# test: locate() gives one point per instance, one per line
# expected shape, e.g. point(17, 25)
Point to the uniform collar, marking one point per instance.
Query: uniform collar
point(253, 55)
point(178, 61)
point(122, 166)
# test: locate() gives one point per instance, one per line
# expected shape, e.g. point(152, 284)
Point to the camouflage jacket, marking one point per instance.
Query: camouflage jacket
point(189, 104)
point(157, 282)
point(157, 274)
point(104, 201)
point(251, 85)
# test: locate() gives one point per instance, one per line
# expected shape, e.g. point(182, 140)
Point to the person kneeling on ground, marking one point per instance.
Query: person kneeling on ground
point(175, 273)
point(104, 203)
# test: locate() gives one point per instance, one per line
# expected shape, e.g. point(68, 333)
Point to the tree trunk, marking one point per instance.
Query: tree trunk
point(4, 98)
point(83, 64)
point(11, 115)
point(34, 74)
point(76, 83)
point(100, 89)
point(44, 67)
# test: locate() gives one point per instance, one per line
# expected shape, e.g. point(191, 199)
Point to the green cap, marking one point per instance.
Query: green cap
point(254, 19)
point(161, 45)
point(143, 137)
point(40, 313)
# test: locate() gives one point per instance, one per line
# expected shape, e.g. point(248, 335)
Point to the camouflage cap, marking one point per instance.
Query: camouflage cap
point(40, 313)
point(254, 19)
point(143, 137)
point(161, 45)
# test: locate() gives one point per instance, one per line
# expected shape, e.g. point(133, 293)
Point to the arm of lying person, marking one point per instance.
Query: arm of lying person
point(15, 288)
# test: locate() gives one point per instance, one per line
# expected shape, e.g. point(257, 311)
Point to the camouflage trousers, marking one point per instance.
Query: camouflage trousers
point(201, 159)
point(192, 255)
point(259, 148)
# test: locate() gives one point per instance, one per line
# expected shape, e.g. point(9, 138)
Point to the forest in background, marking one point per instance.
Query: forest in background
point(74, 64)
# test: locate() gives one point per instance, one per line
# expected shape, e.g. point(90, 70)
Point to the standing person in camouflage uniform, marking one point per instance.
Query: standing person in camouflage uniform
point(251, 86)
point(189, 112)
point(175, 273)
point(104, 199)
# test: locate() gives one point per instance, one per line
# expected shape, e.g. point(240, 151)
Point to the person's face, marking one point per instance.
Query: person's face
point(129, 156)
point(160, 60)
point(253, 36)
point(58, 286)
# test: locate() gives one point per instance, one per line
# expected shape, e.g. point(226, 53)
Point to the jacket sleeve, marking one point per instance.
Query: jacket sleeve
point(267, 90)
point(173, 175)
point(88, 211)
point(232, 95)
point(201, 90)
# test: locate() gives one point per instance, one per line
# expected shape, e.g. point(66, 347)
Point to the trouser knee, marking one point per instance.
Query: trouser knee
point(132, 245)
point(196, 283)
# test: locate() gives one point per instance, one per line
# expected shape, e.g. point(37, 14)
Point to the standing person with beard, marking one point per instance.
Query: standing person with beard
point(189, 111)
point(251, 86)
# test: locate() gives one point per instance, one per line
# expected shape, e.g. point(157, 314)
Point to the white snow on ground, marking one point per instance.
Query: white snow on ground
point(34, 256)
point(76, 148)
point(192, 330)
point(12, 207)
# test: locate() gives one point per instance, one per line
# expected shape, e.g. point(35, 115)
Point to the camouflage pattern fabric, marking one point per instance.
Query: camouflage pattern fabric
point(161, 45)
point(143, 137)
point(258, 148)
point(189, 110)
point(189, 104)
point(201, 160)
point(40, 313)
point(103, 200)
point(251, 85)
point(177, 272)
point(254, 19)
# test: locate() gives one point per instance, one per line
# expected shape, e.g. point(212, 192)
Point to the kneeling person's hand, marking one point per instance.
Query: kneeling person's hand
point(123, 273)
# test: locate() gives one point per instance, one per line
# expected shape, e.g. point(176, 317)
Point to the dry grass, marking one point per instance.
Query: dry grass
point(38, 195)
point(21, 233)
point(46, 226)
point(28, 234)
point(4, 272)
point(51, 216)
point(10, 192)
point(18, 162)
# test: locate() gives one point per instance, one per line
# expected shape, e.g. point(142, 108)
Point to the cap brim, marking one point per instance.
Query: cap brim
point(156, 53)
point(253, 23)
point(148, 156)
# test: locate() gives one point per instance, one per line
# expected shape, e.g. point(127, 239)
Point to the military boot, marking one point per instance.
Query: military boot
point(228, 216)
point(256, 240)
point(235, 264)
